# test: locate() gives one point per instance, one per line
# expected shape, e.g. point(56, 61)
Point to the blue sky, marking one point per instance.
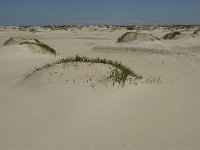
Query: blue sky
point(99, 12)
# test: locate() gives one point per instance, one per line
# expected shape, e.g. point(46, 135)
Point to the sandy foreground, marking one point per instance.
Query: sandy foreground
point(67, 108)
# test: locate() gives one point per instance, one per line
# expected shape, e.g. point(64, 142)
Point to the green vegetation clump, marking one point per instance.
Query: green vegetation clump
point(172, 35)
point(120, 74)
point(133, 36)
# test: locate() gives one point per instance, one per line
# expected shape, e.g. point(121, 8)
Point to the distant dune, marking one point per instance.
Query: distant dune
point(133, 36)
point(34, 45)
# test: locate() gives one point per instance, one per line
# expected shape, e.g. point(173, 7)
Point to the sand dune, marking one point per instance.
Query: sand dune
point(21, 58)
point(75, 106)
point(33, 44)
point(72, 74)
point(134, 36)
point(84, 70)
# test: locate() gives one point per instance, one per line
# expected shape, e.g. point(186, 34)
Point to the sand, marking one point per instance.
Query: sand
point(60, 108)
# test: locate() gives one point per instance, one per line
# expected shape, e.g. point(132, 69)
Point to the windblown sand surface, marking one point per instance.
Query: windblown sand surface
point(74, 106)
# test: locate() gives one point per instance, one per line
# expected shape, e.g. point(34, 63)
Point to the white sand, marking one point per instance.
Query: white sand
point(48, 112)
